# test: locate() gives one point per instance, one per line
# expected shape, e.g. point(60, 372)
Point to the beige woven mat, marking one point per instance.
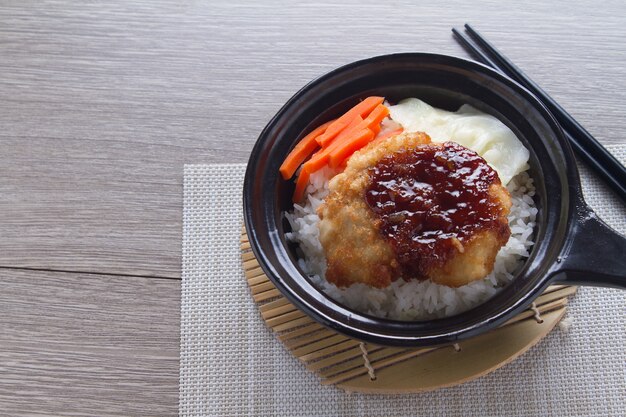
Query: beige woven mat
point(232, 365)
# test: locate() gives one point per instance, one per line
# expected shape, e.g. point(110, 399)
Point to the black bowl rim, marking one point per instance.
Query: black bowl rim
point(572, 188)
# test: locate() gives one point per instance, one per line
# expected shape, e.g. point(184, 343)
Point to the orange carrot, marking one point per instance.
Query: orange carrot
point(339, 139)
point(301, 184)
point(348, 146)
point(371, 122)
point(362, 109)
point(320, 158)
point(317, 161)
point(375, 117)
point(375, 128)
point(354, 123)
point(303, 149)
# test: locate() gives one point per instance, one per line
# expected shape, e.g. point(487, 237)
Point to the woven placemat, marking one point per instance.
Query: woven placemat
point(232, 365)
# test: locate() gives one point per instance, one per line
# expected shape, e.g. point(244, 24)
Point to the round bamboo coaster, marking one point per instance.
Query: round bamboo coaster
point(360, 367)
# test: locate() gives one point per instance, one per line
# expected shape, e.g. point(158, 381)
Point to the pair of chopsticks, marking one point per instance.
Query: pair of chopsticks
point(585, 145)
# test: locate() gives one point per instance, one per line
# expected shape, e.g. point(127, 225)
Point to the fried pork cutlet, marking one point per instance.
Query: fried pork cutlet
point(408, 208)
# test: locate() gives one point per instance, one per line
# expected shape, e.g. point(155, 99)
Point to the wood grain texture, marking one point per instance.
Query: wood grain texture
point(102, 104)
point(79, 344)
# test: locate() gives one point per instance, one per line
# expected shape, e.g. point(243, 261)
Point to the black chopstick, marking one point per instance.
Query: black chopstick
point(473, 48)
point(585, 145)
point(578, 148)
point(564, 118)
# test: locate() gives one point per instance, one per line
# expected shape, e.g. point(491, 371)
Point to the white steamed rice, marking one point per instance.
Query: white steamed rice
point(413, 300)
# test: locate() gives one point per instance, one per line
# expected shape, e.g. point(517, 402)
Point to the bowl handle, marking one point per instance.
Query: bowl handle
point(595, 255)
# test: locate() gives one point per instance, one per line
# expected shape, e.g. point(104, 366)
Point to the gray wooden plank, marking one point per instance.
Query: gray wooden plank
point(80, 344)
point(101, 104)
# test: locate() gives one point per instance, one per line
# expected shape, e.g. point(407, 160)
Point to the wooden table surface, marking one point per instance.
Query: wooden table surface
point(102, 104)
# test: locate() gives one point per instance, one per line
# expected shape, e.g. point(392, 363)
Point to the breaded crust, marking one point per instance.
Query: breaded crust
point(349, 231)
point(356, 250)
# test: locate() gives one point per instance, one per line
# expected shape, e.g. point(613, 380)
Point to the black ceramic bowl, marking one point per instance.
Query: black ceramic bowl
point(572, 244)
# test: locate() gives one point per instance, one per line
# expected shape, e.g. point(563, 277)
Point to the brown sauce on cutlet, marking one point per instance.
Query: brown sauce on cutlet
point(426, 198)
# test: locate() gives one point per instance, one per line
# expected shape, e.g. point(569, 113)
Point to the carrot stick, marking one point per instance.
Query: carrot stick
point(320, 158)
point(302, 150)
point(350, 145)
point(362, 109)
point(354, 123)
point(301, 184)
point(374, 118)
point(375, 128)
point(371, 122)
point(317, 161)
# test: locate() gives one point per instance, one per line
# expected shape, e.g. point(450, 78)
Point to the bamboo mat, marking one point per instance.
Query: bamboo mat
point(363, 367)
point(233, 365)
